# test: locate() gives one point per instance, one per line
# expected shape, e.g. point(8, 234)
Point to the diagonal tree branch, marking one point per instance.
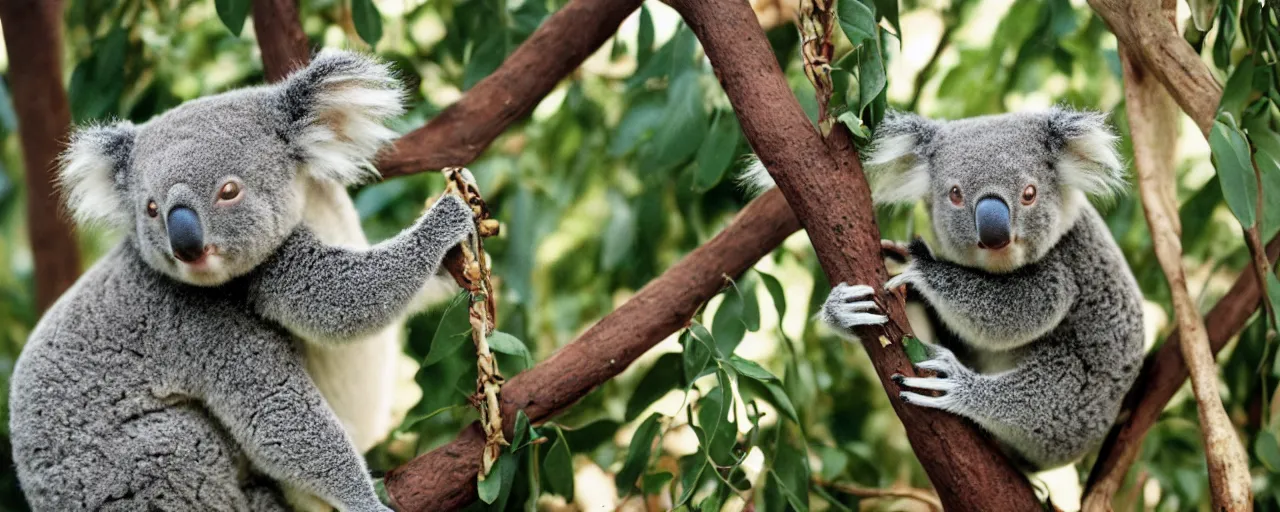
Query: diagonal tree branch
point(1153, 127)
point(280, 37)
point(1142, 26)
point(823, 183)
point(461, 132)
point(33, 36)
point(445, 478)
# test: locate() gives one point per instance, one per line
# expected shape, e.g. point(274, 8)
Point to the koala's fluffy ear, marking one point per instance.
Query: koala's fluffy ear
point(895, 165)
point(92, 173)
point(1086, 146)
point(334, 111)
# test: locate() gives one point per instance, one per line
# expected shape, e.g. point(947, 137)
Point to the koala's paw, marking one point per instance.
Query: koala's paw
point(851, 306)
point(952, 380)
point(452, 218)
point(909, 276)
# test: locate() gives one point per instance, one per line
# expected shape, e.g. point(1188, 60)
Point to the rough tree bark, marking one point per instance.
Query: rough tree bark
point(33, 36)
point(445, 478)
point(556, 48)
point(823, 183)
point(1153, 126)
point(281, 39)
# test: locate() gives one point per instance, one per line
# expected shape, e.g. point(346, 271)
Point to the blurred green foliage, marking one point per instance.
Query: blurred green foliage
point(626, 167)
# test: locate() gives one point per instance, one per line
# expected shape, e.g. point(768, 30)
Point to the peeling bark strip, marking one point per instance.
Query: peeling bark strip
point(33, 35)
point(462, 131)
point(280, 37)
point(823, 183)
point(445, 478)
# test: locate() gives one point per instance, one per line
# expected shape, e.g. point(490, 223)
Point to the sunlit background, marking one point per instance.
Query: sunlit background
point(596, 201)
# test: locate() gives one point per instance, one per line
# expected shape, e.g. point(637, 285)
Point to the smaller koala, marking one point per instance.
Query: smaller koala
point(170, 376)
point(1036, 315)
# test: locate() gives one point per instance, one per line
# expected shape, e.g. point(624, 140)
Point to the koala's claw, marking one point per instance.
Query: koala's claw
point(950, 381)
point(850, 306)
point(909, 276)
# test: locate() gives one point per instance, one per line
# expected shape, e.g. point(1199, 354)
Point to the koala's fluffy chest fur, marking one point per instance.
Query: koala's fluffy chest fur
point(113, 379)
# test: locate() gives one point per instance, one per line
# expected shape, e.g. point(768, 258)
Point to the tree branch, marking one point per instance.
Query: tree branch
point(445, 478)
point(1153, 127)
point(823, 183)
point(280, 37)
point(33, 36)
point(1142, 26)
point(461, 132)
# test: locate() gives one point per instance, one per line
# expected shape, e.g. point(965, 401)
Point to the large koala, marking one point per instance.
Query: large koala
point(170, 375)
point(1035, 316)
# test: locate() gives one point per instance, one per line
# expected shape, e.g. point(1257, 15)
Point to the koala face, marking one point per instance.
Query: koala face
point(1001, 190)
point(213, 190)
point(209, 190)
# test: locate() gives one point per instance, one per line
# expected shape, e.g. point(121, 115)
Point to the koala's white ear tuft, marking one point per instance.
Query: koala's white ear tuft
point(755, 178)
point(1088, 159)
point(91, 173)
point(335, 109)
point(895, 165)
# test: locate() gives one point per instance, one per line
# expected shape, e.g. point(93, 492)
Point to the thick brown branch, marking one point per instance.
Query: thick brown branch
point(461, 132)
point(445, 479)
point(823, 183)
point(1143, 26)
point(280, 37)
point(33, 35)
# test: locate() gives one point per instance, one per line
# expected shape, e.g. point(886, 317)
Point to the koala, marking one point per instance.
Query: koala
point(1036, 316)
point(172, 375)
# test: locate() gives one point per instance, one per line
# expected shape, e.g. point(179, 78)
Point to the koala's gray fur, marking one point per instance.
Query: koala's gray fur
point(1040, 340)
point(161, 384)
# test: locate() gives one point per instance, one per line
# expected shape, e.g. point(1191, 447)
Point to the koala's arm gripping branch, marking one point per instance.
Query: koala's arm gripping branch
point(824, 185)
point(353, 292)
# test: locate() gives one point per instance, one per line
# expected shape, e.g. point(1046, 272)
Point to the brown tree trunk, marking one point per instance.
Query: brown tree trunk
point(280, 37)
point(33, 36)
point(823, 183)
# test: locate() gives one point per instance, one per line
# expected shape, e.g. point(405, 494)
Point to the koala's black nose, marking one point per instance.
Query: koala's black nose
point(994, 229)
point(186, 237)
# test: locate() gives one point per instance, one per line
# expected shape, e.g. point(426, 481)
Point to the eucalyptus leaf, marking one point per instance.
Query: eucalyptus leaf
point(367, 20)
point(856, 21)
point(637, 454)
point(717, 152)
point(558, 467)
point(232, 13)
point(507, 344)
point(699, 347)
point(453, 331)
point(663, 376)
point(1230, 152)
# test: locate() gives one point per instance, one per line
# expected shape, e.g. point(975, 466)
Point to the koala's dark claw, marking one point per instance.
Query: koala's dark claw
point(897, 377)
point(903, 397)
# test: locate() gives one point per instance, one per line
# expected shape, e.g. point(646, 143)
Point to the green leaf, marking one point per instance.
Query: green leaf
point(1268, 450)
point(590, 436)
point(750, 305)
point(1226, 34)
point(1273, 295)
point(684, 124)
point(523, 432)
point(698, 349)
point(663, 376)
point(691, 468)
point(653, 483)
point(775, 291)
point(857, 21)
point(1230, 154)
point(916, 351)
point(713, 418)
point(499, 479)
point(834, 461)
point(453, 331)
point(727, 326)
point(1238, 91)
point(558, 467)
point(637, 454)
point(771, 385)
point(620, 235)
point(504, 343)
point(368, 21)
point(871, 75)
point(789, 475)
point(644, 38)
point(889, 10)
point(487, 53)
point(232, 13)
point(98, 81)
point(717, 152)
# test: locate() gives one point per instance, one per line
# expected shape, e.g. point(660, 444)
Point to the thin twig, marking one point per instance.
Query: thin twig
point(911, 493)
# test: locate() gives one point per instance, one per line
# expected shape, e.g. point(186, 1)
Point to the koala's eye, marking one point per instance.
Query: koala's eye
point(153, 210)
point(230, 191)
point(1029, 195)
point(955, 196)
